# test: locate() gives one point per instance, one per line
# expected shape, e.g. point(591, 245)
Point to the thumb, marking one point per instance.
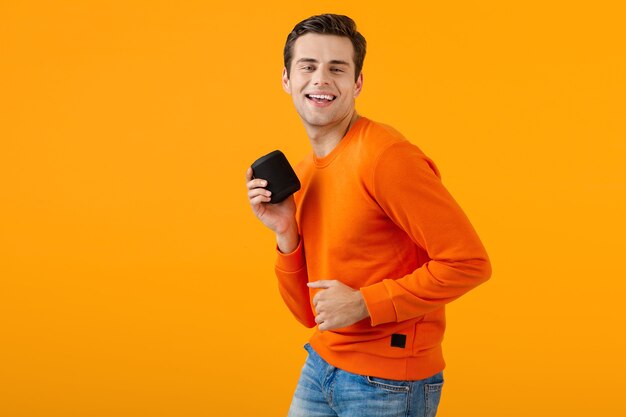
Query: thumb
point(323, 283)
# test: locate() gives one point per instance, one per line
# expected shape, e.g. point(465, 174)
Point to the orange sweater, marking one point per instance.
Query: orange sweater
point(374, 215)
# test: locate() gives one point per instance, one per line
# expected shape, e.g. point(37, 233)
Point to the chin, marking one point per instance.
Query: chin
point(318, 121)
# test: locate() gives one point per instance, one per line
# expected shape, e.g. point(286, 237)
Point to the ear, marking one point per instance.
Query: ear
point(285, 81)
point(358, 86)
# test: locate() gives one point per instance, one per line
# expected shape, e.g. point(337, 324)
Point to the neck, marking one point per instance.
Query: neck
point(325, 138)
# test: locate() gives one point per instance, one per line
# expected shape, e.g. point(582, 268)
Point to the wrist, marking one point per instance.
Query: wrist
point(287, 228)
point(288, 239)
point(364, 312)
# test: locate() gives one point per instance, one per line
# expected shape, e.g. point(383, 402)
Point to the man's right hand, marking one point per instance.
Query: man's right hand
point(280, 218)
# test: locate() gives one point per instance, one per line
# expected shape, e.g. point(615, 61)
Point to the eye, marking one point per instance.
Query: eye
point(336, 70)
point(308, 68)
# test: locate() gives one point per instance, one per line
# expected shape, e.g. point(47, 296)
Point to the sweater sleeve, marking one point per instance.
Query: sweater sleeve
point(292, 279)
point(408, 188)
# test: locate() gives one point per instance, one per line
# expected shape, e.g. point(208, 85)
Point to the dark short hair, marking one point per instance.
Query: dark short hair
point(328, 24)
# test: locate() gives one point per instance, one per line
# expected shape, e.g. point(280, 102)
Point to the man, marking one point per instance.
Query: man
point(370, 249)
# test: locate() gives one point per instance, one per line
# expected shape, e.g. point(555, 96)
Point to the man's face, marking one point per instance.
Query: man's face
point(321, 82)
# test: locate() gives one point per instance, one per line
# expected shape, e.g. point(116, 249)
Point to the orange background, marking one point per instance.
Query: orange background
point(135, 281)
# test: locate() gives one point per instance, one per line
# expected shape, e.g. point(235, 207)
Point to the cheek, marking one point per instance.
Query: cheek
point(298, 82)
point(348, 87)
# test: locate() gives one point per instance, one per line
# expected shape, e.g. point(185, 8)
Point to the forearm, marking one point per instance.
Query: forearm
point(292, 275)
point(428, 288)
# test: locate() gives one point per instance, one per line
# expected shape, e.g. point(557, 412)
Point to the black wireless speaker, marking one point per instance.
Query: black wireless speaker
point(282, 181)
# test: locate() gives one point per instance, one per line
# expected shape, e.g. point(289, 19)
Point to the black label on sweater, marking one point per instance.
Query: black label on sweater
point(398, 340)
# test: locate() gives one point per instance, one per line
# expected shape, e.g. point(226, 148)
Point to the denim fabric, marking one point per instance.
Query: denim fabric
point(326, 391)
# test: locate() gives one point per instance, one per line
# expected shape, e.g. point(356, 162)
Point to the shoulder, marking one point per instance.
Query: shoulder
point(378, 135)
point(378, 141)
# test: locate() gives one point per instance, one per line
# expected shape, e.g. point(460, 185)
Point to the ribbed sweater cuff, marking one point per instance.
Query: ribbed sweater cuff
point(379, 304)
point(291, 262)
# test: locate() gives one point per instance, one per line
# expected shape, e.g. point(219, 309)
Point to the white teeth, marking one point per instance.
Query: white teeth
point(321, 96)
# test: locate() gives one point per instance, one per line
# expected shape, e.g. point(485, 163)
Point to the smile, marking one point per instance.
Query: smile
point(320, 98)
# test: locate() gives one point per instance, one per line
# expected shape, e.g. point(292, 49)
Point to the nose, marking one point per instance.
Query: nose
point(321, 77)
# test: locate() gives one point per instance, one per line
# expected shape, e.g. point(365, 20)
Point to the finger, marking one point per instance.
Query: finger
point(256, 183)
point(258, 191)
point(260, 199)
point(323, 283)
point(248, 174)
point(324, 326)
point(319, 319)
point(316, 298)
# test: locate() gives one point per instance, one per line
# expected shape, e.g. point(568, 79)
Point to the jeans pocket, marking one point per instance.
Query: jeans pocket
point(432, 393)
point(388, 384)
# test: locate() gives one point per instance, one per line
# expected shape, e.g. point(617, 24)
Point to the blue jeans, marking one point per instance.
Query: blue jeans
point(326, 391)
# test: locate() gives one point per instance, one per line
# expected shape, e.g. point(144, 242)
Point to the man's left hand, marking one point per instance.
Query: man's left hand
point(337, 305)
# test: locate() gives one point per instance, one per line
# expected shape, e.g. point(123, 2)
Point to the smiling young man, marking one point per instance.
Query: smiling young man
point(370, 249)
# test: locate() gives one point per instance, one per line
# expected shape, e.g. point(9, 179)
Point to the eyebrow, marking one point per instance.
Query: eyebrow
point(315, 61)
